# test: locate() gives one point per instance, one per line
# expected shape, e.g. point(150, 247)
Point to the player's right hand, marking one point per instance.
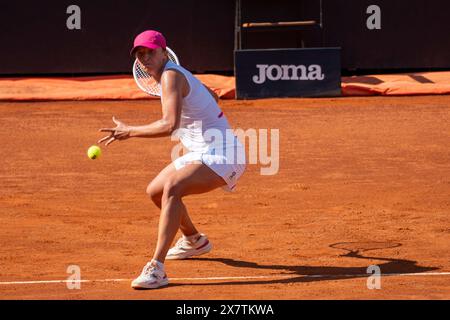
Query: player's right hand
point(120, 132)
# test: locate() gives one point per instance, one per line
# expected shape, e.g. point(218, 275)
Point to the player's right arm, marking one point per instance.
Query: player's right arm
point(173, 85)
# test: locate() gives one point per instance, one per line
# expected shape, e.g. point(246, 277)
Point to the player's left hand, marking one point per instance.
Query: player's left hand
point(120, 132)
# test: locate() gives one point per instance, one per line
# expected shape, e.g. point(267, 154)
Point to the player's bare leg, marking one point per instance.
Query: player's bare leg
point(192, 179)
point(155, 191)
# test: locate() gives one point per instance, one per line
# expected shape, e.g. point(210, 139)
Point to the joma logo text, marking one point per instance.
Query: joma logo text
point(287, 72)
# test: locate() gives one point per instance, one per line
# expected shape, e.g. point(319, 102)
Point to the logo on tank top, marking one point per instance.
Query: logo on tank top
point(276, 72)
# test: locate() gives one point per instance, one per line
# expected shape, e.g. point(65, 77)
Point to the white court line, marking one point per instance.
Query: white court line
point(236, 278)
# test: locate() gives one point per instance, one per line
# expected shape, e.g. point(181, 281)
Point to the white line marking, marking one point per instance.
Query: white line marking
point(236, 278)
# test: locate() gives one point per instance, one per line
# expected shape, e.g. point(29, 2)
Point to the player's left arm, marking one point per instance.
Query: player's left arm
point(172, 84)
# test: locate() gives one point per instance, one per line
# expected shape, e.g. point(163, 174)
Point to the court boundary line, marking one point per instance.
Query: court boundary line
point(282, 276)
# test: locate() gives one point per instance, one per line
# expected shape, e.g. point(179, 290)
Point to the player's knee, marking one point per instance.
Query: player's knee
point(172, 188)
point(155, 195)
point(150, 191)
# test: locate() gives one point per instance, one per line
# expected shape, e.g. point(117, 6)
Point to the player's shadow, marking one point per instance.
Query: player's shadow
point(316, 273)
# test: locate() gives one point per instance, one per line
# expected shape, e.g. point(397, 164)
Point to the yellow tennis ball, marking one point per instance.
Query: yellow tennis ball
point(94, 152)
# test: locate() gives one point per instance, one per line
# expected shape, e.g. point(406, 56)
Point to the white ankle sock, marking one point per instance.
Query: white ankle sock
point(158, 264)
point(193, 237)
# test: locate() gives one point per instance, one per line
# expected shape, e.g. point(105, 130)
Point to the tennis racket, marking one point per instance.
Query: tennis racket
point(144, 81)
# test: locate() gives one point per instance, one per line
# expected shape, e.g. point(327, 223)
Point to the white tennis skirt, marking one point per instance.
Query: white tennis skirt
point(230, 164)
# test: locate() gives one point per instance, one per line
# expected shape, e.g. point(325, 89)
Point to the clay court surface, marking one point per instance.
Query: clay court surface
point(362, 170)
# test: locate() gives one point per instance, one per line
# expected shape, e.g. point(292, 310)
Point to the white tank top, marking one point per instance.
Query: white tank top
point(200, 113)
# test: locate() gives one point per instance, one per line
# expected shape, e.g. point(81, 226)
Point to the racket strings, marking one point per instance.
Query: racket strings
point(145, 81)
point(172, 56)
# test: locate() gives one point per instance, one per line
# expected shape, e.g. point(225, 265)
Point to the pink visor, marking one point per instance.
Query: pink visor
point(149, 39)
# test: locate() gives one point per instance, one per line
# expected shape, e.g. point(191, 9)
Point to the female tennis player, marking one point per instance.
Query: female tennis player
point(189, 110)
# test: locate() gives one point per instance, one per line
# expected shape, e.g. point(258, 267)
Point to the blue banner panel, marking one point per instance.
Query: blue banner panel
point(313, 72)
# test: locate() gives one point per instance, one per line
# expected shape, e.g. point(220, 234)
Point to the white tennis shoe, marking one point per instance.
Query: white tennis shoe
point(152, 277)
point(184, 248)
